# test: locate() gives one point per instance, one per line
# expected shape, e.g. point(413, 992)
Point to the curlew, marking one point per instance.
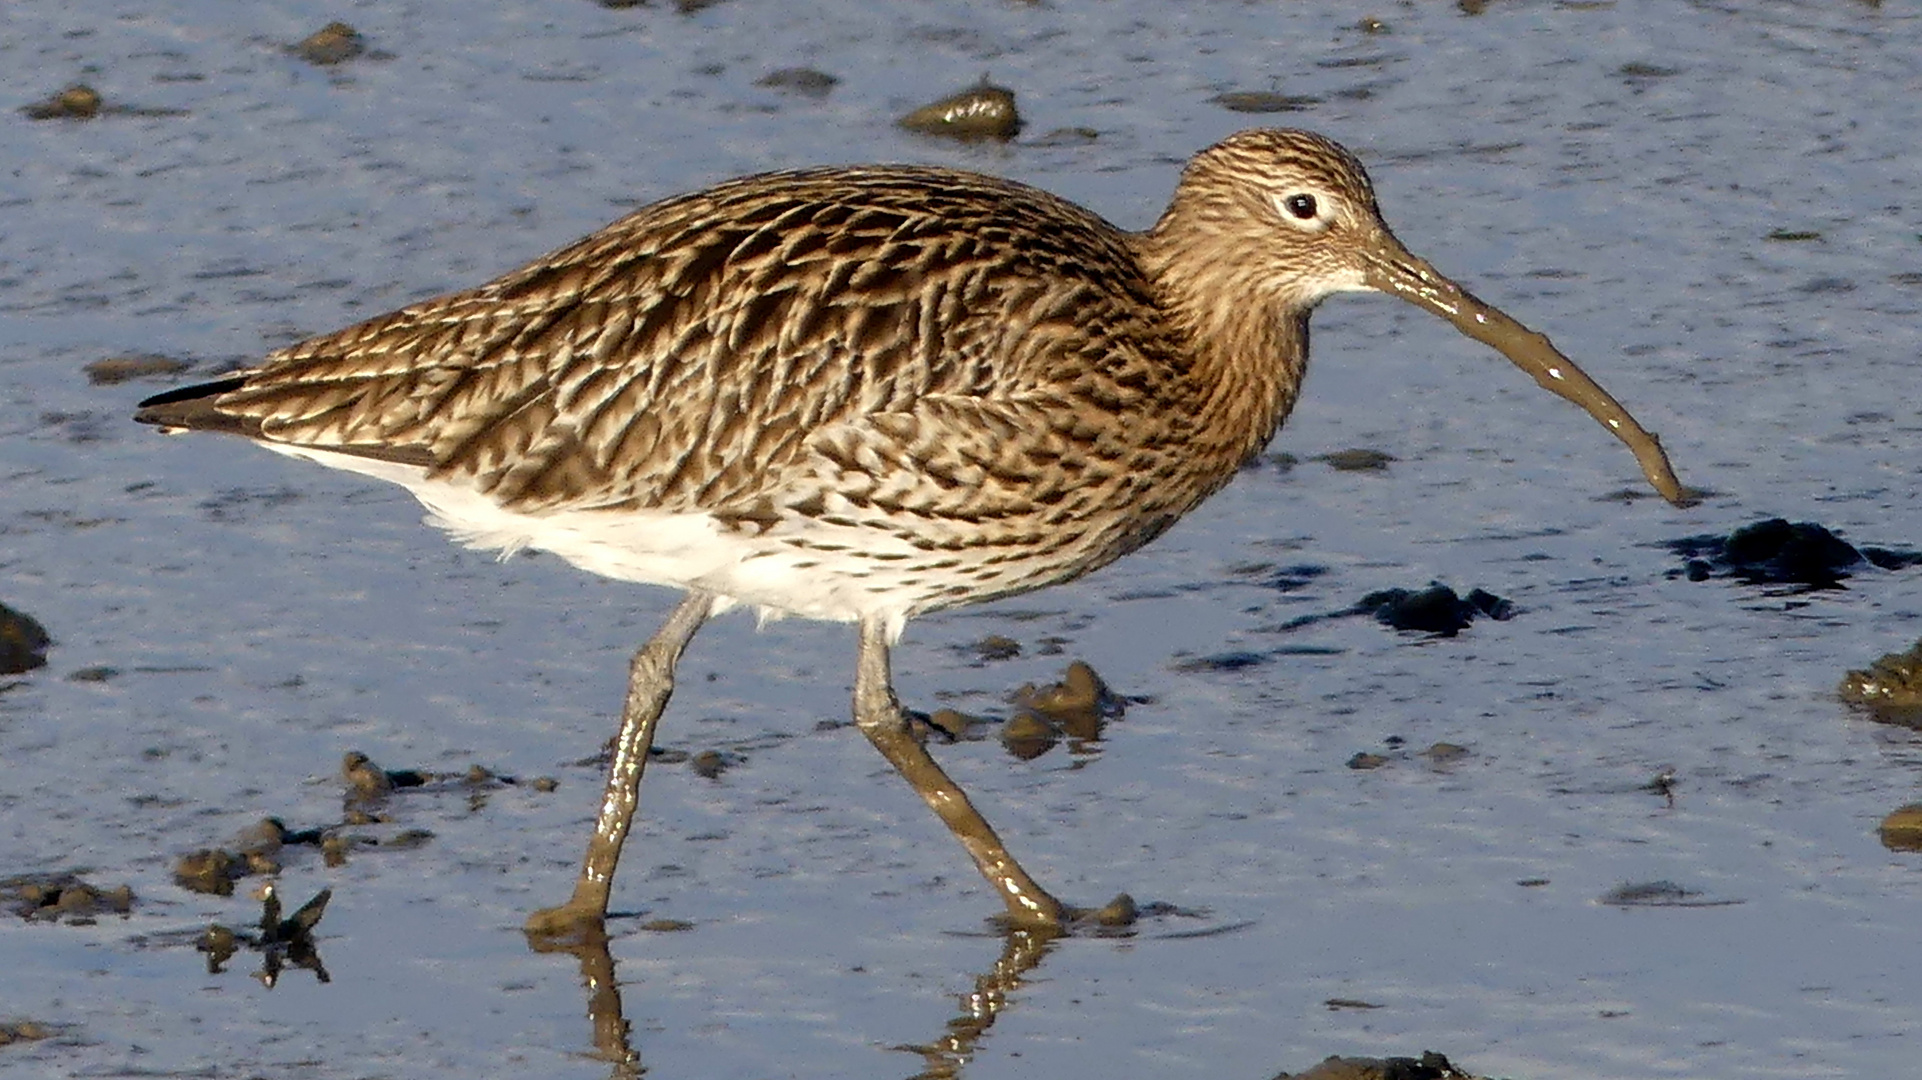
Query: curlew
point(860, 395)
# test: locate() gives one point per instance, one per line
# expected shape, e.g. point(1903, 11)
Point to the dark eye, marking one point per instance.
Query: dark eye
point(1302, 206)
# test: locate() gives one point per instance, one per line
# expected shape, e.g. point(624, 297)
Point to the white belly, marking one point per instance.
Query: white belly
point(875, 575)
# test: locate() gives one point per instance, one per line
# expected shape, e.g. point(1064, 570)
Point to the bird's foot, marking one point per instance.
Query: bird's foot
point(1115, 914)
point(566, 927)
point(1059, 919)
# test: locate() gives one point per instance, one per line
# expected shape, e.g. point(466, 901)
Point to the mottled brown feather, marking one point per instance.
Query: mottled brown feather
point(927, 345)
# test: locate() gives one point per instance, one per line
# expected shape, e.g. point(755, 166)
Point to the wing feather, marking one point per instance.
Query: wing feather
point(720, 350)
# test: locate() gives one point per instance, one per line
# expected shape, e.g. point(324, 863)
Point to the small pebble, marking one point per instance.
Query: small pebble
point(332, 44)
point(211, 870)
point(76, 102)
point(985, 111)
point(1445, 753)
point(996, 647)
point(1121, 911)
point(365, 780)
point(1901, 830)
point(952, 723)
point(1027, 735)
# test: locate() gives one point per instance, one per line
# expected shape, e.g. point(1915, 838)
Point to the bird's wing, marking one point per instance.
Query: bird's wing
point(684, 356)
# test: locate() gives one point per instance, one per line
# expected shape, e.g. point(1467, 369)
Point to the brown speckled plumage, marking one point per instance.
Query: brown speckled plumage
point(939, 386)
point(923, 344)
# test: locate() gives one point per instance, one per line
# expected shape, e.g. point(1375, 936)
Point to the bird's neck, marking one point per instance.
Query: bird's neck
point(1247, 349)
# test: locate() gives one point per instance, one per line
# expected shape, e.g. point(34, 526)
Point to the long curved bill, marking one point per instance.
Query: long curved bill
point(1392, 269)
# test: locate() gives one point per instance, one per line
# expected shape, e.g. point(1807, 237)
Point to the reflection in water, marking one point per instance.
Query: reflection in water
point(280, 942)
point(611, 1031)
point(1021, 951)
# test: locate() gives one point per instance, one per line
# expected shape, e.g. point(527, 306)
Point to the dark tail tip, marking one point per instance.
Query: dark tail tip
point(188, 406)
point(194, 392)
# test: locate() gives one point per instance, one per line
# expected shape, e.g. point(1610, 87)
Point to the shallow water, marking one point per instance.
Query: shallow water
point(1610, 174)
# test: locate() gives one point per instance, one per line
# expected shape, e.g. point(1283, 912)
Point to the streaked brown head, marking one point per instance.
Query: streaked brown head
point(1278, 215)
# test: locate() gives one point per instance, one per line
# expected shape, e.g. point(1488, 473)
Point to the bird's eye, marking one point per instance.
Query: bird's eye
point(1301, 206)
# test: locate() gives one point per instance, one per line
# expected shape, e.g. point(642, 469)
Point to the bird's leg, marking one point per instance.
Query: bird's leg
point(650, 683)
point(879, 716)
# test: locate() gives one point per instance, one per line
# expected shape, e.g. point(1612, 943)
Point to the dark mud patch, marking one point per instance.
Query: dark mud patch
point(1263, 102)
point(82, 102)
point(369, 785)
point(1357, 459)
point(1802, 555)
point(76, 102)
point(1441, 756)
point(23, 642)
point(335, 43)
point(1435, 610)
point(1078, 706)
point(1660, 894)
point(114, 370)
point(1429, 1066)
point(63, 898)
point(262, 848)
point(19, 1031)
point(806, 82)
